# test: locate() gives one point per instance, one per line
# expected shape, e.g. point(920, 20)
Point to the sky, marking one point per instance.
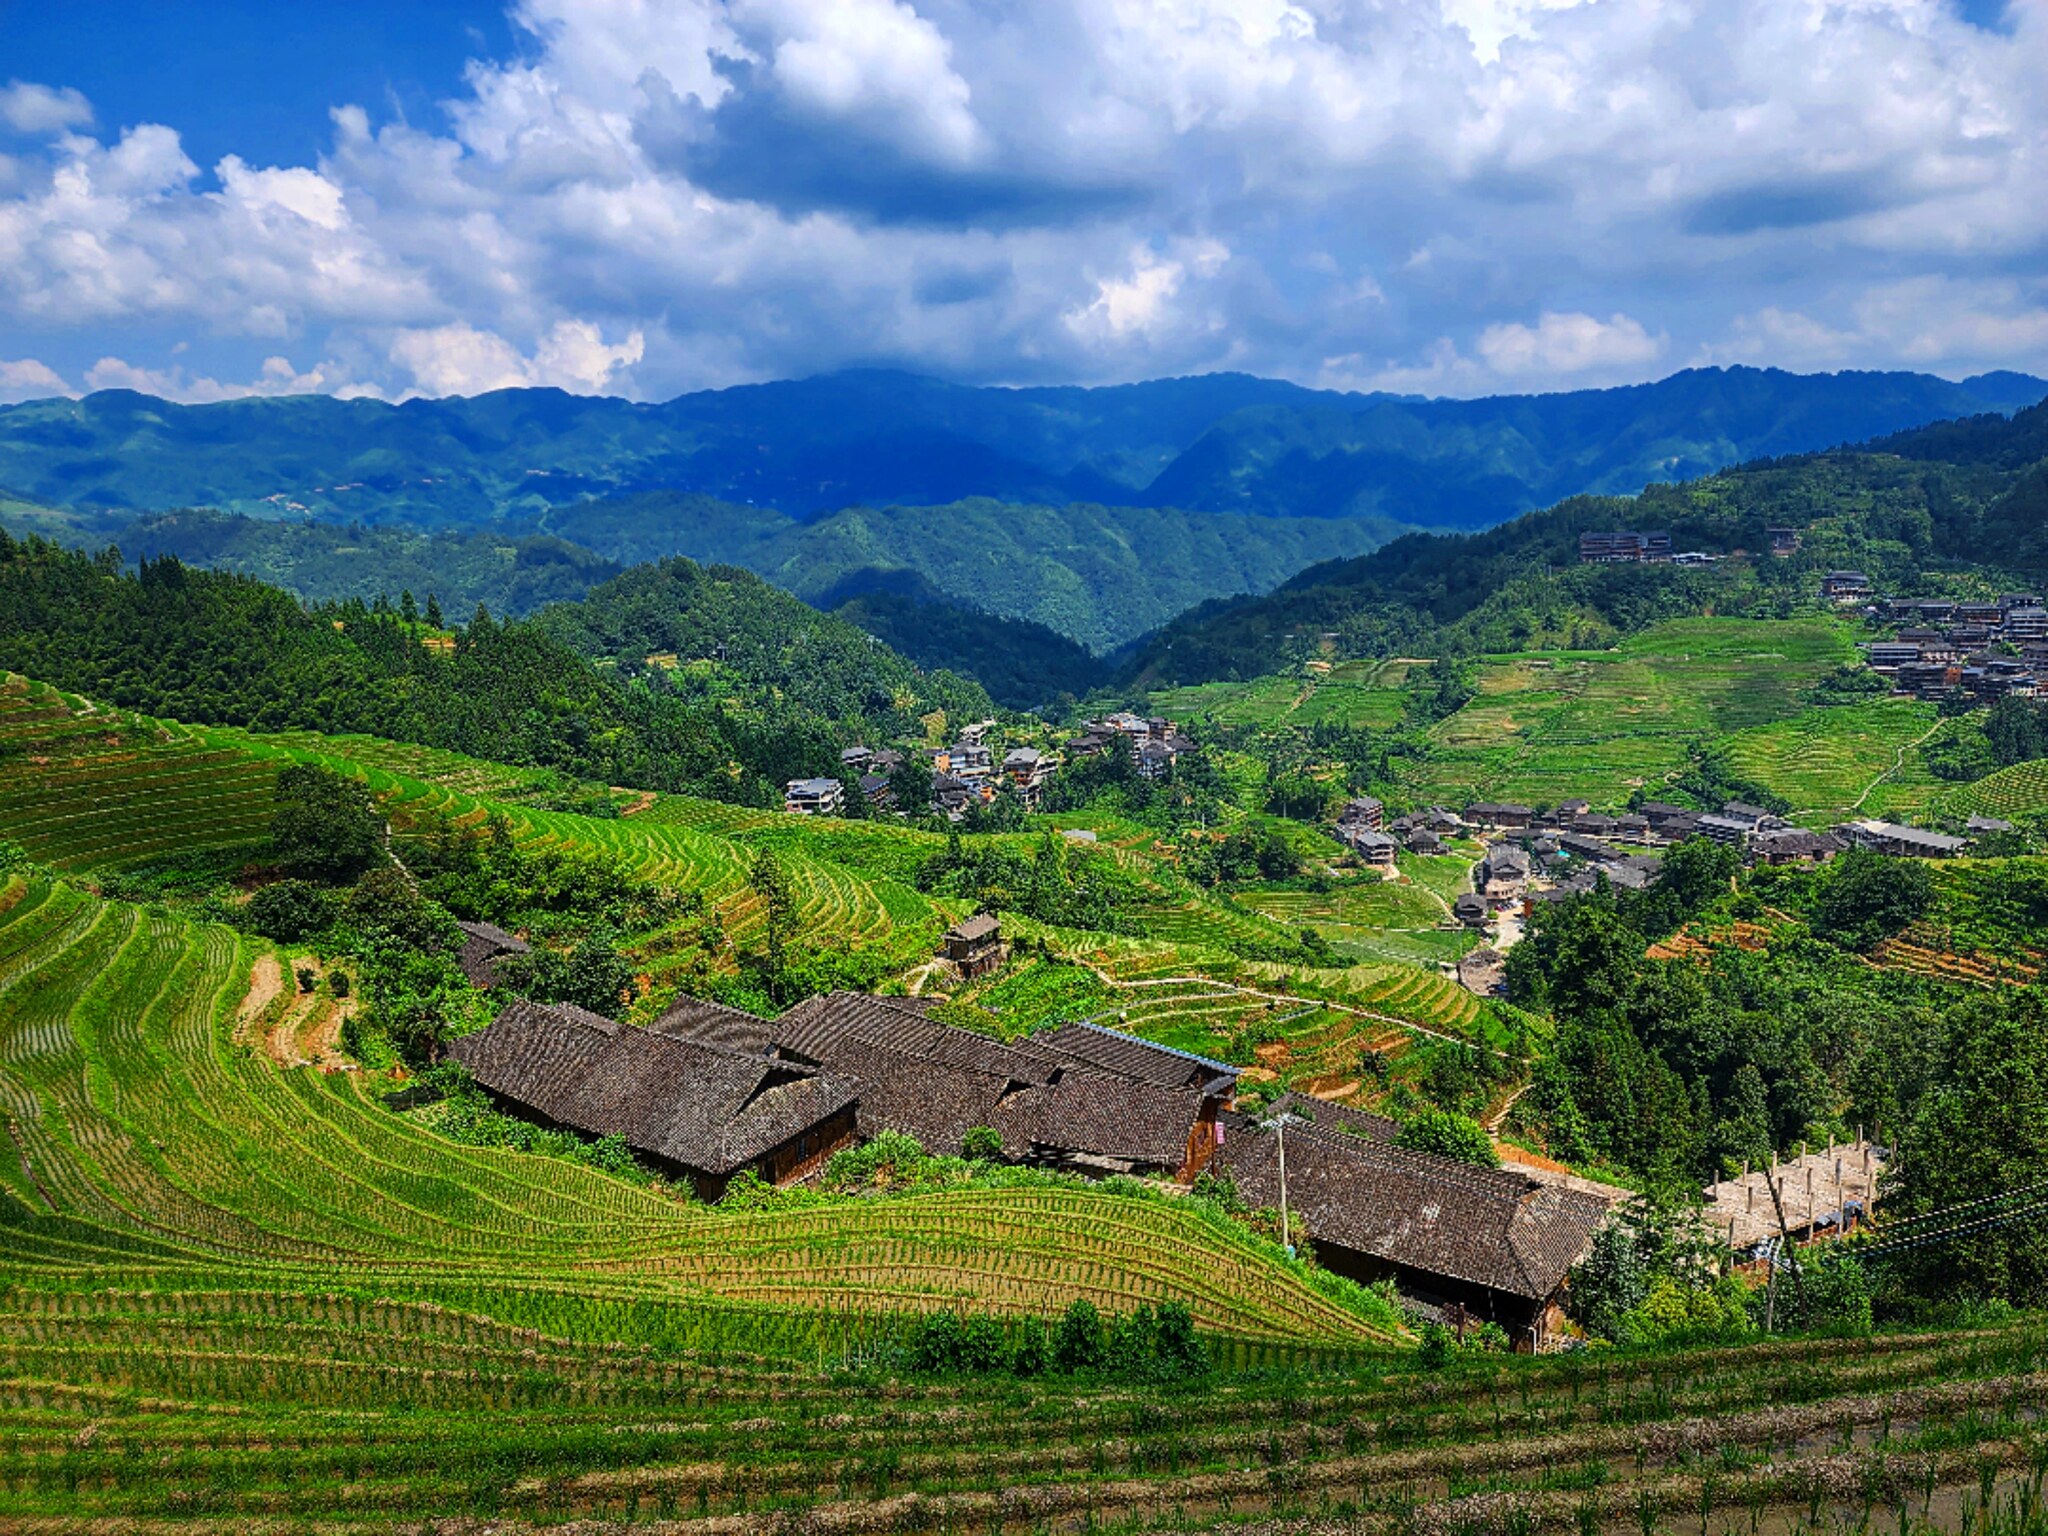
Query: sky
point(642, 197)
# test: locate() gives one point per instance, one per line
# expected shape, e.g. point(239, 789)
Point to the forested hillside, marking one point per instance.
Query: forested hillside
point(1958, 498)
point(214, 647)
point(1098, 575)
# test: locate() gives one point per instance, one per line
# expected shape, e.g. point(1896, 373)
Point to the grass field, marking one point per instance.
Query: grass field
point(1547, 726)
point(1365, 694)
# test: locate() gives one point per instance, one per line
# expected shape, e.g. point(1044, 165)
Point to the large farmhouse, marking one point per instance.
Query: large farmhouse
point(707, 1090)
point(699, 1111)
point(1499, 1244)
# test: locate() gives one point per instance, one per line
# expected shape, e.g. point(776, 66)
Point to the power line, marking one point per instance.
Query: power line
point(1969, 1205)
point(1884, 1248)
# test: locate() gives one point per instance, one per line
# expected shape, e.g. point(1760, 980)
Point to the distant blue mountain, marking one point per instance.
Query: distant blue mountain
point(808, 447)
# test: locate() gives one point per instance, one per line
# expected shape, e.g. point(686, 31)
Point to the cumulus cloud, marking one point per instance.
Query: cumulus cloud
point(1569, 345)
point(1449, 195)
point(462, 360)
point(277, 376)
point(27, 107)
point(27, 379)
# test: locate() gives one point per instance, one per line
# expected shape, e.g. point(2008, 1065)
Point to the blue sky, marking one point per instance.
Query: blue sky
point(647, 196)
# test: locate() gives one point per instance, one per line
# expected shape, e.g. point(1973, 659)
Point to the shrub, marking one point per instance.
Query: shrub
point(938, 1344)
point(982, 1143)
point(291, 911)
point(1448, 1135)
point(1177, 1349)
point(1439, 1345)
point(1032, 1353)
point(1078, 1343)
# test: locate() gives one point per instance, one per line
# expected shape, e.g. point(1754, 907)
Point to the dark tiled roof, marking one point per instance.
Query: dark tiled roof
point(980, 926)
point(677, 1099)
point(1332, 1117)
point(1425, 1213)
point(1130, 1056)
point(482, 945)
point(1115, 1097)
point(715, 1025)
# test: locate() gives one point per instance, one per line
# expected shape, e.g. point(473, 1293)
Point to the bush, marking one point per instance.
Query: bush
point(1078, 1343)
point(291, 911)
point(1032, 1353)
point(1448, 1135)
point(982, 1143)
point(1438, 1347)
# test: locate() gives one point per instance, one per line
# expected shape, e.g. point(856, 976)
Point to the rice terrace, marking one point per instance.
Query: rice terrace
point(821, 767)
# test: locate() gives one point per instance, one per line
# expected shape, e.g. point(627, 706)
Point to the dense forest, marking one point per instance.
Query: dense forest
point(212, 647)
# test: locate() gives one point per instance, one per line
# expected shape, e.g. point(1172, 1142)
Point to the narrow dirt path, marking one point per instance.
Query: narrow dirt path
point(266, 981)
point(1898, 762)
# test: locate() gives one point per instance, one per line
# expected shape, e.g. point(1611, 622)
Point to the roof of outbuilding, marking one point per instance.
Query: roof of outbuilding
point(1425, 1213)
point(982, 925)
point(482, 945)
point(676, 1098)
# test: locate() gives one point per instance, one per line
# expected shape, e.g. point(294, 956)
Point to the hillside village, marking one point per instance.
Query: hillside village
point(967, 774)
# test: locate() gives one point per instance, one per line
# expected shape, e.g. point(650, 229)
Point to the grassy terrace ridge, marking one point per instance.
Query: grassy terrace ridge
point(152, 1143)
point(342, 1414)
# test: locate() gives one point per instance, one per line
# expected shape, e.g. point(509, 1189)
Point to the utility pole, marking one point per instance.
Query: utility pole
point(1286, 1241)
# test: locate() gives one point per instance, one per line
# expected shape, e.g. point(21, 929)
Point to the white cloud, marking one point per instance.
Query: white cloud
point(1396, 194)
point(876, 61)
point(276, 377)
point(462, 360)
point(1140, 304)
point(27, 379)
point(29, 108)
point(1568, 345)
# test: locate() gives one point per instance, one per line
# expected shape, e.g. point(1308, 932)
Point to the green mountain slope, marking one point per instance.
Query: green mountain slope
point(1098, 575)
point(1953, 497)
point(756, 688)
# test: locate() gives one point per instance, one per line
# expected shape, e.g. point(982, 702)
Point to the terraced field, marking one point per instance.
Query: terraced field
point(81, 796)
point(1398, 920)
point(152, 1140)
point(1553, 725)
point(1829, 762)
point(81, 788)
point(2021, 790)
point(1365, 694)
point(345, 1414)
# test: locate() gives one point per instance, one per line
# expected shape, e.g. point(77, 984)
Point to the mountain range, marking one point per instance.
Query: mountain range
point(1097, 513)
point(1221, 442)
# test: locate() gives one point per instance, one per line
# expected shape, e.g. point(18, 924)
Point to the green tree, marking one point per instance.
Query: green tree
point(1867, 897)
point(592, 975)
point(289, 911)
point(770, 882)
point(1448, 1135)
point(325, 825)
point(1980, 1133)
